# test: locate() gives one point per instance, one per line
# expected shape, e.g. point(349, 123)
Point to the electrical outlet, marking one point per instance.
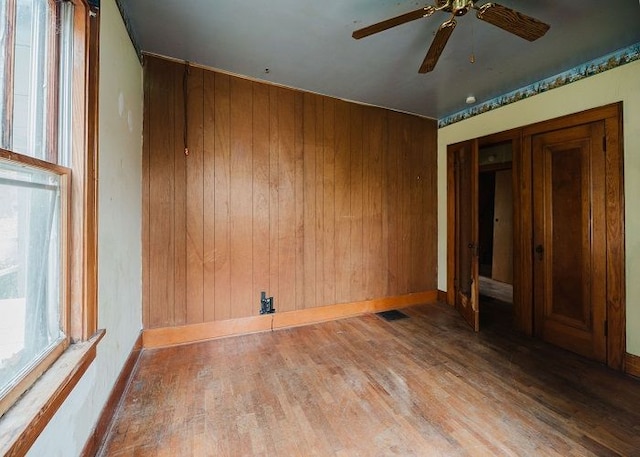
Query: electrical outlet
point(266, 304)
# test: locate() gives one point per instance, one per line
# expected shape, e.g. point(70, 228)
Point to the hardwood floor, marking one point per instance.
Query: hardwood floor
point(423, 386)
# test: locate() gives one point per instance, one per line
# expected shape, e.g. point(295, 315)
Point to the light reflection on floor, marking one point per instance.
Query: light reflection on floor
point(496, 289)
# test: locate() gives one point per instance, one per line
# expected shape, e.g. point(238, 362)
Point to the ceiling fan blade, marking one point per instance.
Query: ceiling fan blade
point(512, 21)
point(393, 22)
point(437, 46)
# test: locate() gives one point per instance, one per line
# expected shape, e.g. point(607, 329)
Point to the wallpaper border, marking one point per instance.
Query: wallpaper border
point(594, 67)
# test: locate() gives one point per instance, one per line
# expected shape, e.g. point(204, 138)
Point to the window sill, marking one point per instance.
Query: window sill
point(25, 420)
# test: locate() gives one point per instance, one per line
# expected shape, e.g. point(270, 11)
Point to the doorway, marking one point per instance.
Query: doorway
point(567, 230)
point(495, 222)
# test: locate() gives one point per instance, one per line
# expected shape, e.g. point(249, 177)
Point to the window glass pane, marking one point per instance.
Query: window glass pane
point(29, 92)
point(30, 266)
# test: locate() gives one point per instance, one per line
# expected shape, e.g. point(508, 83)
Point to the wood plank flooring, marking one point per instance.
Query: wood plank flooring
point(423, 386)
point(495, 289)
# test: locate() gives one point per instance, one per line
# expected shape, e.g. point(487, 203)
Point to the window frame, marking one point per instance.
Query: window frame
point(29, 415)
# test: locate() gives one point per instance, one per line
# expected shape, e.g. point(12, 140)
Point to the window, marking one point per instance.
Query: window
point(30, 43)
point(47, 250)
point(32, 290)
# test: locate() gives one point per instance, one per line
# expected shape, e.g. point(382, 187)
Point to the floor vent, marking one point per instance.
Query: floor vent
point(392, 315)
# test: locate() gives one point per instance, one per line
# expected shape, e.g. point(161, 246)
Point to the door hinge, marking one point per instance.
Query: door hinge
point(606, 329)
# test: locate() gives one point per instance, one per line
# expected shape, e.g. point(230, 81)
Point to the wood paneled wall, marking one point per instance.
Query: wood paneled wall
point(314, 200)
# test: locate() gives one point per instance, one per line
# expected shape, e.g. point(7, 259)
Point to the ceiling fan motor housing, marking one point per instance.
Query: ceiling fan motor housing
point(457, 7)
point(461, 7)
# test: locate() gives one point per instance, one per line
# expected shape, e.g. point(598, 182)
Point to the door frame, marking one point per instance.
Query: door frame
point(521, 139)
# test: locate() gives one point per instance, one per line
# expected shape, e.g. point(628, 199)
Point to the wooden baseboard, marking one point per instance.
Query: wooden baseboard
point(99, 434)
point(632, 365)
point(442, 296)
point(171, 336)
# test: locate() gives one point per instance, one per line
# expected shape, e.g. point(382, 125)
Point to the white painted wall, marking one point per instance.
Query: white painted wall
point(619, 84)
point(119, 239)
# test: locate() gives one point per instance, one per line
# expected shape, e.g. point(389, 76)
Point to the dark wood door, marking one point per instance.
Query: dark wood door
point(463, 176)
point(570, 239)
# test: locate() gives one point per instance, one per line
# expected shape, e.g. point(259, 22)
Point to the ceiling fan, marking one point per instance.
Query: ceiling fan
point(507, 19)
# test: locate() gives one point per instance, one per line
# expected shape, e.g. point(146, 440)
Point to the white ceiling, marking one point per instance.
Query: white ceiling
point(307, 45)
